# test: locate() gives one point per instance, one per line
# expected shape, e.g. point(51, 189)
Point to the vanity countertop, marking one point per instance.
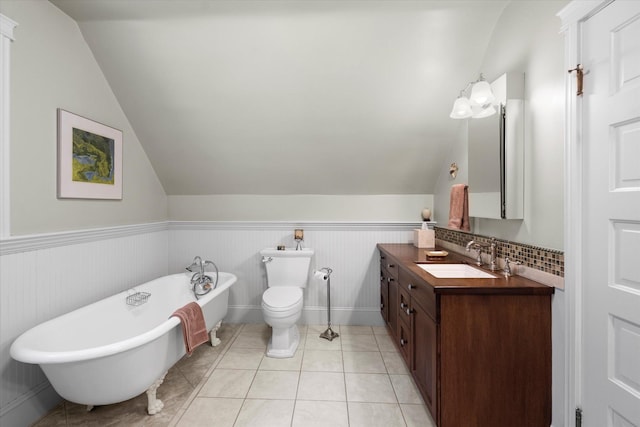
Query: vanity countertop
point(407, 255)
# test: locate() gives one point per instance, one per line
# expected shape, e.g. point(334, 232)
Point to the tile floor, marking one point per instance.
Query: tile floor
point(358, 379)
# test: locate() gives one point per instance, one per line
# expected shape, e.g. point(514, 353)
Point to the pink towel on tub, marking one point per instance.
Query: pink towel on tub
point(459, 208)
point(194, 328)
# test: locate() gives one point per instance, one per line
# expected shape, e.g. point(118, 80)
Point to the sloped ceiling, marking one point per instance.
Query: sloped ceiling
point(290, 97)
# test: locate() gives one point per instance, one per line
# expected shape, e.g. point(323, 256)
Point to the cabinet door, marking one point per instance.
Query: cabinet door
point(404, 306)
point(405, 342)
point(384, 297)
point(393, 305)
point(425, 355)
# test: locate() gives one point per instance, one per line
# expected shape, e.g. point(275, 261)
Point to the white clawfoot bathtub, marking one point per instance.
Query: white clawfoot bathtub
point(109, 351)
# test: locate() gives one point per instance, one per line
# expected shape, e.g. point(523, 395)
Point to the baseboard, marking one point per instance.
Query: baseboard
point(30, 407)
point(311, 316)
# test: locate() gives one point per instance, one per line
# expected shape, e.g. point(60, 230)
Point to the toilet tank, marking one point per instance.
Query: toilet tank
point(288, 267)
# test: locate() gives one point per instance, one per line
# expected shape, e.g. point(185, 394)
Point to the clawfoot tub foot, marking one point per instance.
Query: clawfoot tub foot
point(89, 408)
point(154, 405)
point(215, 341)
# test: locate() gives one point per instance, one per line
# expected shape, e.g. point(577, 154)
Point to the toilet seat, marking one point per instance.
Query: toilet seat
point(281, 298)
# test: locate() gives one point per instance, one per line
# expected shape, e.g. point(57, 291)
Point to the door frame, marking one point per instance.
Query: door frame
point(573, 16)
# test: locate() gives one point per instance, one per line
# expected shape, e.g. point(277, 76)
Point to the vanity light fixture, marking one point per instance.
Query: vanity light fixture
point(479, 104)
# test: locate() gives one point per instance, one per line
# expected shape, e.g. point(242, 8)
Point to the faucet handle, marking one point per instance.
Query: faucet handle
point(507, 268)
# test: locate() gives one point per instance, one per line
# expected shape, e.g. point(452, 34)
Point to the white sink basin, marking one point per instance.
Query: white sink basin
point(455, 271)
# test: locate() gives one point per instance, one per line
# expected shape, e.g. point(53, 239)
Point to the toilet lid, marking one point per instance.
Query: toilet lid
point(282, 296)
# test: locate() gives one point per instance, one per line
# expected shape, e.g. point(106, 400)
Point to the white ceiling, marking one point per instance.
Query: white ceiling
point(290, 97)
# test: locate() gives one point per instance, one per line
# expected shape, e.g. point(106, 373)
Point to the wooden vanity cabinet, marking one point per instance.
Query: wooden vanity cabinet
point(478, 350)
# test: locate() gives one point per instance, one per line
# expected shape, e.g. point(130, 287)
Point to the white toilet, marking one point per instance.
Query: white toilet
point(287, 275)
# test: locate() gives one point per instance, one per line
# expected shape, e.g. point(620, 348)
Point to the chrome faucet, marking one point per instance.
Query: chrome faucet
point(478, 246)
point(298, 236)
point(493, 246)
point(202, 283)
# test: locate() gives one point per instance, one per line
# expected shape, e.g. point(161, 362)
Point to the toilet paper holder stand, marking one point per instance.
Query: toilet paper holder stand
point(325, 274)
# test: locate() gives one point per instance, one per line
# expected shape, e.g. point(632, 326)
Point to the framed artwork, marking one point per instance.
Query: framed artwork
point(89, 159)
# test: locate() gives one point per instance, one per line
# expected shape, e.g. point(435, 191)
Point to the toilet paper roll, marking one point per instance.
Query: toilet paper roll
point(320, 275)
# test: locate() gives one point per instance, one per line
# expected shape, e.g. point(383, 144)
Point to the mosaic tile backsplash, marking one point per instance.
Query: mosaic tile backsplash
point(547, 260)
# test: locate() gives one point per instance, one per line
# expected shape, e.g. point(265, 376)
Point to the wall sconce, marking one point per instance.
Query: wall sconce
point(478, 104)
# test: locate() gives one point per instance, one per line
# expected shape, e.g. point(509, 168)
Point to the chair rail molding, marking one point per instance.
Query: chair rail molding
point(34, 242)
point(6, 37)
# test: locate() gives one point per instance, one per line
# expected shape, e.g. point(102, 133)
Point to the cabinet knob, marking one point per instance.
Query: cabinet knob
point(403, 342)
point(390, 279)
point(390, 265)
point(410, 286)
point(403, 305)
point(409, 311)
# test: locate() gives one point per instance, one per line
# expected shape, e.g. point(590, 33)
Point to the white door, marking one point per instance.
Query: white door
point(611, 222)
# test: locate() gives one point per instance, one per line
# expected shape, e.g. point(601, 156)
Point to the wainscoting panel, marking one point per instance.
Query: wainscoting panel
point(347, 248)
point(43, 276)
point(50, 275)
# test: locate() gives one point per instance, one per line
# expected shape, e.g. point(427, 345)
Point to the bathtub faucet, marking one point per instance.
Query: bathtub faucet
point(201, 282)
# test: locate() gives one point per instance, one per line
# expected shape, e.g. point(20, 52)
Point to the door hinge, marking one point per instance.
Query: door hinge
point(578, 417)
point(579, 77)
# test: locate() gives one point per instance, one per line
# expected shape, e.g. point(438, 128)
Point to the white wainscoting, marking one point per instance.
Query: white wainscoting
point(348, 248)
point(44, 276)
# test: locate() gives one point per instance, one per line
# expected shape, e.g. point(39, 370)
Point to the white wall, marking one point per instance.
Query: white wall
point(52, 67)
point(527, 40)
point(457, 154)
point(301, 207)
point(348, 248)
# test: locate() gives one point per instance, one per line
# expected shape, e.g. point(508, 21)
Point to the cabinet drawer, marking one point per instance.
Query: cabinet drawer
point(389, 265)
point(419, 290)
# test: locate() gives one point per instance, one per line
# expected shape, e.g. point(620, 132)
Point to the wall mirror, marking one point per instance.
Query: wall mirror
point(496, 154)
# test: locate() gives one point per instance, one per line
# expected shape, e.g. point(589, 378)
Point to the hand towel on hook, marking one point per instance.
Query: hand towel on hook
point(459, 208)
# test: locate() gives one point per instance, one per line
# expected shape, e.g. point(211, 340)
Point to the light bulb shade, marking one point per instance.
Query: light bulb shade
point(481, 93)
point(461, 109)
point(480, 113)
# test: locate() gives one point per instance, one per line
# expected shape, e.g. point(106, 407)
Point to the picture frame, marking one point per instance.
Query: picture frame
point(89, 159)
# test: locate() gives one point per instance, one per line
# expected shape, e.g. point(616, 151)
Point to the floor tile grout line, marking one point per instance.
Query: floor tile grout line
point(295, 401)
point(196, 391)
point(346, 397)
